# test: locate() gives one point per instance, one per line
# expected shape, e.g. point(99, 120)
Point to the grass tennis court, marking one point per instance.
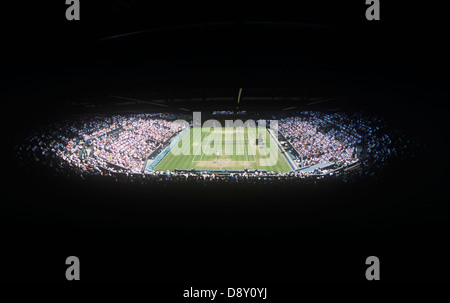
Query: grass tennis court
point(225, 148)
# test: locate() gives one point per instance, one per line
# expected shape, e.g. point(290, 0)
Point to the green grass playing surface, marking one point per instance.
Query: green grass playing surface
point(236, 146)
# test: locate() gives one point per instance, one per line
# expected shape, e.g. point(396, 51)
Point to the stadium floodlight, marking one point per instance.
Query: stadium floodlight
point(239, 98)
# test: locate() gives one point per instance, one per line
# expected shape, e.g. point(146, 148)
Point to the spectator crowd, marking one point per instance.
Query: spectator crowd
point(228, 112)
point(116, 147)
point(97, 144)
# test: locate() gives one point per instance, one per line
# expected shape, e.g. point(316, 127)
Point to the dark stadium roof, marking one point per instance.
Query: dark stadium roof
point(323, 49)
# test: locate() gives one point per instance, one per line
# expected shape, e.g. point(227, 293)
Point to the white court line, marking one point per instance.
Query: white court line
point(249, 148)
point(245, 148)
point(207, 145)
point(200, 145)
point(221, 141)
point(237, 161)
point(223, 161)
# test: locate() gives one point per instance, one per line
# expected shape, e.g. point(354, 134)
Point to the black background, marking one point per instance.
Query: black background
point(193, 235)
